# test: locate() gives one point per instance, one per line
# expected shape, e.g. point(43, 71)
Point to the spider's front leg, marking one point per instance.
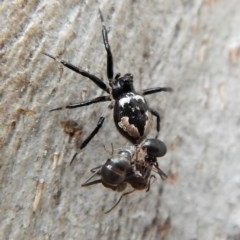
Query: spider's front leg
point(82, 72)
point(110, 71)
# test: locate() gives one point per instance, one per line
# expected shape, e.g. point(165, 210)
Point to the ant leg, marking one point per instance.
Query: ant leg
point(92, 77)
point(84, 103)
point(108, 49)
point(87, 183)
point(149, 182)
point(91, 183)
point(124, 194)
point(93, 170)
point(112, 149)
point(155, 90)
point(90, 137)
point(156, 114)
point(162, 174)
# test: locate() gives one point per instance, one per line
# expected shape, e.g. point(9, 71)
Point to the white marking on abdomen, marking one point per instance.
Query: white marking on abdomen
point(127, 99)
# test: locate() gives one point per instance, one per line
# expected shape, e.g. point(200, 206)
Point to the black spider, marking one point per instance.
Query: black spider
point(132, 115)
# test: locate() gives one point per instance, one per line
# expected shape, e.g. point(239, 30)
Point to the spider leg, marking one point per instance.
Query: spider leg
point(156, 114)
point(110, 72)
point(92, 77)
point(84, 103)
point(93, 133)
point(124, 194)
point(155, 90)
point(90, 137)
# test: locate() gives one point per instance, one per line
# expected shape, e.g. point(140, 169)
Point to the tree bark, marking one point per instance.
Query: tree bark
point(191, 46)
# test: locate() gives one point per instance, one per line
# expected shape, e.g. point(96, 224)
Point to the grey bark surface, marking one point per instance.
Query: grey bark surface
point(191, 46)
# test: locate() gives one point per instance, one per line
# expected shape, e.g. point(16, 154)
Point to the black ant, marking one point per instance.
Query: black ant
point(130, 166)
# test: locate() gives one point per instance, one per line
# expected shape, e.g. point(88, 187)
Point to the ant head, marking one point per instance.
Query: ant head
point(122, 85)
point(154, 147)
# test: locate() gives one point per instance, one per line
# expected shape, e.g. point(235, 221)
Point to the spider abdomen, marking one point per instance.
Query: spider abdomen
point(132, 116)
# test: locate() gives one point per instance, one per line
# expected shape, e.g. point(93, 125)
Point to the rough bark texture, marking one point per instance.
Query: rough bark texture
point(192, 46)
